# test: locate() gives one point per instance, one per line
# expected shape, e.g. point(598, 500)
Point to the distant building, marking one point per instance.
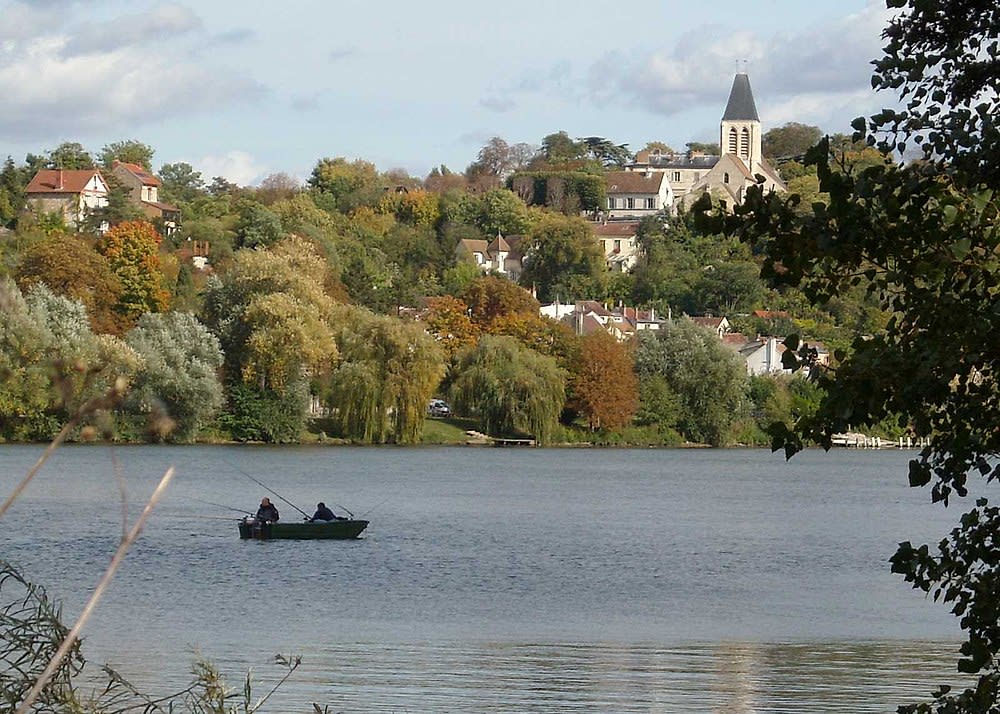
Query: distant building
point(633, 195)
point(502, 255)
point(728, 175)
point(144, 189)
point(70, 193)
point(620, 244)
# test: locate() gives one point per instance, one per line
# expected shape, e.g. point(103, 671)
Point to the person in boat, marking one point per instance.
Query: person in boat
point(267, 510)
point(323, 514)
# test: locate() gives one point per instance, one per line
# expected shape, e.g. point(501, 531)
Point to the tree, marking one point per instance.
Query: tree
point(699, 147)
point(510, 389)
point(790, 140)
point(922, 239)
point(489, 297)
point(658, 147)
point(181, 183)
point(71, 267)
point(277, 187)
point(603, 383)
point(181, 360)
point(606, 151)
point(560, 147)
point(132, 251)
point(349, 184)
point(130, 151)
point(708, 379)
point(389, 369)
point(448, 320)
point(563, 257)
point(257, 227)
point(70, 155)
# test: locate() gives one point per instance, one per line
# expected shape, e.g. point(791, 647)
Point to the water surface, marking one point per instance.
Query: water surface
point(506, 579)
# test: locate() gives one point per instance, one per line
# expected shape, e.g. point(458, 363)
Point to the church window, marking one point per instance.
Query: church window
point(732, 140)
point(745, 143)
point(725, 177)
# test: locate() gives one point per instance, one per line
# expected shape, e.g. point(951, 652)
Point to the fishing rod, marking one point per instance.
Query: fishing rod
point(373, 507)
point(267, 488)
point(344, 508)
point(219, 505)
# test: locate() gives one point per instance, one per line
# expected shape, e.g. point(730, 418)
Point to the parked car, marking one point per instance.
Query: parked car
point(438, 408)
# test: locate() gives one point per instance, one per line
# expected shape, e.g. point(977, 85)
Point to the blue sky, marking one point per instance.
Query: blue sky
point(246, 89)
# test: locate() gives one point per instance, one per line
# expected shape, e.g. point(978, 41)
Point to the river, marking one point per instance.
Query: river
point(496, 580)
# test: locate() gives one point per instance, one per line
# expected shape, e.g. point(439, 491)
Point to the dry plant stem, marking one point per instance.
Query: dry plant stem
point(96, 596)
point(60, 438)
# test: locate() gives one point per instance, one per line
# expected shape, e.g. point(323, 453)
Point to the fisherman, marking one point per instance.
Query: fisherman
point(323, 513)
point(267, 510)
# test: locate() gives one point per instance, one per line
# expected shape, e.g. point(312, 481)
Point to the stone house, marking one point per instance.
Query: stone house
point(143, 190)
point(70, 193)
point(618, 239)
point(634, 195)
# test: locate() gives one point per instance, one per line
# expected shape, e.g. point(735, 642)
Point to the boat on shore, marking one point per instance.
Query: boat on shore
point(344, 529)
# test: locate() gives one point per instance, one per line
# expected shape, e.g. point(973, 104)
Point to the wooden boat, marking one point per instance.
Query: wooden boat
point(302, 530)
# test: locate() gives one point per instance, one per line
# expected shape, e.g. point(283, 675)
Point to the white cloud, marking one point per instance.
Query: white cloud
point(70, 79)
point(236, 166)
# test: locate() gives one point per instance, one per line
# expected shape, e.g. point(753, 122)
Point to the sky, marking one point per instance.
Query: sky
point(251, 88)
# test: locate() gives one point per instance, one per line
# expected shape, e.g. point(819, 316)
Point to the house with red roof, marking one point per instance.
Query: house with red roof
point(69, 193)
point(144, 190)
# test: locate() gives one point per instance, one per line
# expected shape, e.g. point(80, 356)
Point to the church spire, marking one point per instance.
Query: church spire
point(741, 106)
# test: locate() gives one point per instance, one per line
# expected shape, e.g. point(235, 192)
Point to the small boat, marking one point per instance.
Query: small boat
point(304, 530)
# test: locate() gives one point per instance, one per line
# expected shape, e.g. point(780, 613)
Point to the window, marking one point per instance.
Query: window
point(651, 203)
point(611, 204)
point(732, 140)
point(618, 246)
point(677, 176)
point(629, 202)
point(725, 177)
point(745, 143)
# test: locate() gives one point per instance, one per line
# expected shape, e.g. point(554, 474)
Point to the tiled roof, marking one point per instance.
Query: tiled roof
point(616, 229)
point(139, 172)
point(60, 180)
point(633, 182)
point(162, 206)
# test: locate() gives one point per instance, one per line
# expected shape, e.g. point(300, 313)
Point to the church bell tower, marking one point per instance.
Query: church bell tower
point(740, 134)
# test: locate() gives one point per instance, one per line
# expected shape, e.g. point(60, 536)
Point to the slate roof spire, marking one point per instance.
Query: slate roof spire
point(741, 106)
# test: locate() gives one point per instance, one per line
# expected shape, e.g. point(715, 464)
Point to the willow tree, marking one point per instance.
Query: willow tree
point(388, 371)
point(510, 388)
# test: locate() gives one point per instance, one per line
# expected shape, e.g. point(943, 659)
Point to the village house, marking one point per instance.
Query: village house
point(502, 255)
point(633, 195)
point(143, 190)
point(621, 247)
point(71, 194)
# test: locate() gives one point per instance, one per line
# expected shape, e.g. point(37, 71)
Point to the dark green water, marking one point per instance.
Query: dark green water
point(506, 579)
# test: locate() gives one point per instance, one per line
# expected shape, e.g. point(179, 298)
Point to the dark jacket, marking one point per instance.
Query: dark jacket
point(267, 513)
point(323, 514)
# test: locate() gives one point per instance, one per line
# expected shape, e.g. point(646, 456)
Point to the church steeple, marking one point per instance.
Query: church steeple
point(740, 132)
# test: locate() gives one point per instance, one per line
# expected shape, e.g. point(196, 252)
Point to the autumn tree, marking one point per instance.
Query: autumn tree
point(71, 267)
point(603, 383)
point(349, 184)
point(132, 251)
point(489, 297)
point(447, 319)
point(510, 389)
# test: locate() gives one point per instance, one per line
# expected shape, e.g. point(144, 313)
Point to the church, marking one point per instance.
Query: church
point(728, 175)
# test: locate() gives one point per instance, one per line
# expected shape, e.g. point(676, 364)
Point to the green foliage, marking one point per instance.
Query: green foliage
point(180, 183)
point(922, 240)
point(264, 415)
point(129, 151)
point(69, 155)
point(510, 389)
point(791, 140)
point(388, 371)
point(561, 257)
point(258, 227)
point(566, 191)
point(179, 376)
point(709, 380)
point(349, 184)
